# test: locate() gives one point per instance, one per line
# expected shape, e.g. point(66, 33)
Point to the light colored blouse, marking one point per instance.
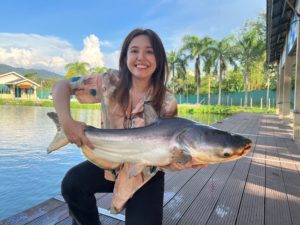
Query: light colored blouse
point(99, 88)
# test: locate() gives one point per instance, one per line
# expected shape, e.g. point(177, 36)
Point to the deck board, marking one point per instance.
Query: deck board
point(251, 210)
point(180, 203)
point(262, 188)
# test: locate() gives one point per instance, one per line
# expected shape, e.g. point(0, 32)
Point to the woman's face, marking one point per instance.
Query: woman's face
point(141, 60)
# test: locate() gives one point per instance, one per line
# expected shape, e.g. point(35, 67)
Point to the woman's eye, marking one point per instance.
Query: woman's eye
point(150, 52)
point(134, 51)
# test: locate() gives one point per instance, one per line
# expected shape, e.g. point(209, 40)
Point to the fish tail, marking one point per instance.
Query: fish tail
point(60, 138)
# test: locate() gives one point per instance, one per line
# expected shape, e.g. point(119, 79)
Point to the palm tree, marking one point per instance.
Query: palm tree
point(223, 54)
point(250, 48)
point(177, 62)
point(98, 70)
point(76, 69)
point(196, 48)
point(209, 64)
point(181, 65)
point(172, 59)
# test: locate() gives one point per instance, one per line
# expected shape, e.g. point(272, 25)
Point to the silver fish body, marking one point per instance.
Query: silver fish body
point(165, 141)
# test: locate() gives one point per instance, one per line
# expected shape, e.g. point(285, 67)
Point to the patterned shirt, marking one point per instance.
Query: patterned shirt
point(99, 88)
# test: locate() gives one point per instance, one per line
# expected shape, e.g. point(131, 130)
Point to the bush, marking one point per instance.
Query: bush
point(219, 109)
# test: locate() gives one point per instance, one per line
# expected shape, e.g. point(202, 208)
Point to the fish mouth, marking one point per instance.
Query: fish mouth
point(245, 150)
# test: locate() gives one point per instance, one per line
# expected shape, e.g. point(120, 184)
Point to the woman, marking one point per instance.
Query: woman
point(132, 97)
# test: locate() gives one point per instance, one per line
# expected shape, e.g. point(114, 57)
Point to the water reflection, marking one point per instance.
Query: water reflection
point(28, 175)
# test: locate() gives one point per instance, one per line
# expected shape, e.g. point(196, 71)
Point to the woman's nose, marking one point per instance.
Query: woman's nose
point(140, 55)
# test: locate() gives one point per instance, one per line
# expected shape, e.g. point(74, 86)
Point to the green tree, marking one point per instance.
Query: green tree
point(76, 69)
point(181, 65)
point(30, 75)
point(210, 69)
point(251, 45)
point(177, 63)
point(196, 48)
point(98, 70)
point(234, 81)
point(172, 60)
point(223, 54)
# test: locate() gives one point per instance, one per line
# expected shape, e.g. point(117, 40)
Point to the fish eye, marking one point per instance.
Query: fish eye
point(226, 154)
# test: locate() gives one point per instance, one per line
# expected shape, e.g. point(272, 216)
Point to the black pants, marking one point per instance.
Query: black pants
point(84, 180)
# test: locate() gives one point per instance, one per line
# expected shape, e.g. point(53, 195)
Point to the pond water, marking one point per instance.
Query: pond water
point(28, 175)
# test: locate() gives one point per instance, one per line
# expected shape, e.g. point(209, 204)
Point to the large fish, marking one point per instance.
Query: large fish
point(165, 141)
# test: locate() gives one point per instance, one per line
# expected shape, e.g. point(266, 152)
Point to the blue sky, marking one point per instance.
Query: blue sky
point(49, 34)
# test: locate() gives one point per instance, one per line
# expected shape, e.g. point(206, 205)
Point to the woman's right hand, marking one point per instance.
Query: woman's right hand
point(74, 131)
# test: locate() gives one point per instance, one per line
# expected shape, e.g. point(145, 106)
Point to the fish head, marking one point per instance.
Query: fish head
point(208, 145)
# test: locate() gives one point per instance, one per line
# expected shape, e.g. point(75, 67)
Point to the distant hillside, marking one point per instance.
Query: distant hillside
point(44, 74)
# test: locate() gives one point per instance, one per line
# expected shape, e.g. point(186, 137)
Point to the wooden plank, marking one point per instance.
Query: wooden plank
point(51, 217)
point(291, 179)
point(178, 205)
point(227, 206)
point(200, 210)
point(276, 204)
point(252, 203)
point(57, 214)
point(104, 220)
point(176, 183)
point(32, 213)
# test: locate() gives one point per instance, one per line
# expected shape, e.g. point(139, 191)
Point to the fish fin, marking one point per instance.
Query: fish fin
point(96, 160)
point(135, 169)
point(180, 152)
point(58, 141)
point(54, 117)
point(180, 155)
point(60, 138)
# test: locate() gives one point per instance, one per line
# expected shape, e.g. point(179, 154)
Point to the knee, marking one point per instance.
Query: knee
point(70, 187)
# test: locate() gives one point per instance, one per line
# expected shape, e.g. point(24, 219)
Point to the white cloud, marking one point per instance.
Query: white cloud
point(51, 53)
point(91, 52)
point(106, 43)
point(112, 60)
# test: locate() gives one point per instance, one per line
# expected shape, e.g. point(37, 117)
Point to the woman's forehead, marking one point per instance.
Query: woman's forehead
point(140, 41)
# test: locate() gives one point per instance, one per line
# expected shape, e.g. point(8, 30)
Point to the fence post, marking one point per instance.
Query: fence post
point(231, 101)
point(261, 103)
point(269, 104)
point(251, 102)
point(241, 102)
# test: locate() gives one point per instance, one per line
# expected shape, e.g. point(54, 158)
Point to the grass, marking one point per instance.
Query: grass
point(220, 109)
point(189, 109)
point(47, 103)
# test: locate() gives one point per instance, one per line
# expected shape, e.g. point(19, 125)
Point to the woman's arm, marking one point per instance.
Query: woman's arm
point(74, 130)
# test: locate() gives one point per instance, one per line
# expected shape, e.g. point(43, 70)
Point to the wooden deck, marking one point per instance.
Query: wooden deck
point(263, 188)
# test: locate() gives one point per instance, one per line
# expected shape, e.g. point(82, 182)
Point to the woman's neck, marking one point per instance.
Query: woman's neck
point(140, 88)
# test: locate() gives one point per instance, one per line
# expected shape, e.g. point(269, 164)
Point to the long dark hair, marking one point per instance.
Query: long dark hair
point(158, 79)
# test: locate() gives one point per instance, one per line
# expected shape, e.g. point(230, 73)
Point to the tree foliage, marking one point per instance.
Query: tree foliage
point(77, 69)
point(235, 63)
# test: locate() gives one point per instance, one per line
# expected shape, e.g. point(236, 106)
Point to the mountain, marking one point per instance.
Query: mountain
point(39, 73)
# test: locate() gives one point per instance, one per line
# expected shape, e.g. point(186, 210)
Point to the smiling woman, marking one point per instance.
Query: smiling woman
point(131, 97)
